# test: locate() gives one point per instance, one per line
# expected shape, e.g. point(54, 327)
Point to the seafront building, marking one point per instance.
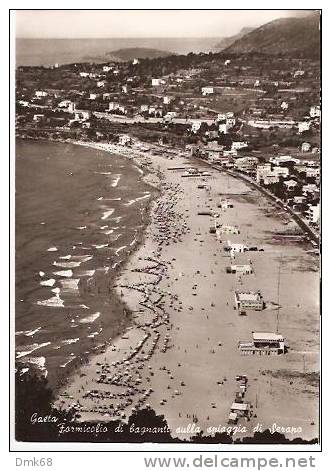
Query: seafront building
point(250, 300)
point(263, 343)
point(240, 269)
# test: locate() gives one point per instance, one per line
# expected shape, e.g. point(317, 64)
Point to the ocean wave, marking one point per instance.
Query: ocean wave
point(137, 199)
point(49, 282)
point(66, 273)
point(30, 349)
point(55, 301)
point(70, 341)
point(107, 213)
point(90, 319)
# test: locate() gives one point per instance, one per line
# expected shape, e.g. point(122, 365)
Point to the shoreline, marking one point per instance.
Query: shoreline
point(64, 375)
point(123, 348)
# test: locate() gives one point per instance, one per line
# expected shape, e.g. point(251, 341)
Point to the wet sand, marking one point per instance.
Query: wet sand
point(181, 354)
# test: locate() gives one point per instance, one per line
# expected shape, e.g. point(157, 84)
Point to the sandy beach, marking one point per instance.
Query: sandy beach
point(180, 354)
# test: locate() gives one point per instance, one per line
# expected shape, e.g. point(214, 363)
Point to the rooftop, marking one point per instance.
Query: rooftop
point(249, 296)
point(267, 336)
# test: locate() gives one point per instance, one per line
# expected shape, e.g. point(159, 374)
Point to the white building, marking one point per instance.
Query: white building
point(223, 128)
point(156, 82)
point(313, 213)
point(68, 105)
point(281, 171)
point(167, 100)
point(262, 170)
point(239, 145)
point(290, 184)
point(268, 123)
point(284, 105)
point(315, 111)
point(143, 108)
point(236, 248)
point(101, 83)
point(195, 126)
point(303, 126)
point(240, 269)
point(82, 115)
point(207, 91)
point(124, 89)
point(93, 96)
point(269, 178)
point(246, 163)
point(38, 117)
point(309, 188)
point(106, 68)
point(114, 106)
point(40, 93)
point(312, 172)
point(283, 159)
point(135, 61)
point(305, 147)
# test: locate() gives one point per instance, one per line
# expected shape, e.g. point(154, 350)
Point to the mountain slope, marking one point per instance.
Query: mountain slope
point(227, 41)
point(298, 37)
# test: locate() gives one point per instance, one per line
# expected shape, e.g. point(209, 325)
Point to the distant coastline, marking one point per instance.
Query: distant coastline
point(46, 52)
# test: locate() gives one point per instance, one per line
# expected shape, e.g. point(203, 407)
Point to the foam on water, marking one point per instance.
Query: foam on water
point(85, 273)
point(119, 250)
point(28, 333)
point(30, 349)
point(52, 249)
point(67, 264)
point(55, 301)
point(107, 213)
point(49, 282)
point(67, 362)
point(66, 273)
point(70, 341)
point(137, 199)
point(90, 319)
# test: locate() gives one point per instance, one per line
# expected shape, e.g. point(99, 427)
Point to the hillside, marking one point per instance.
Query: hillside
point(298, 37)
point(227, 41)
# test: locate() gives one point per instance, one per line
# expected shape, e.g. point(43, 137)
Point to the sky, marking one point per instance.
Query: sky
point(141, 23)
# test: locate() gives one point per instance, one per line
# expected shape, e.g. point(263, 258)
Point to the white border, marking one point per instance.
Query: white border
point(86, 459)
